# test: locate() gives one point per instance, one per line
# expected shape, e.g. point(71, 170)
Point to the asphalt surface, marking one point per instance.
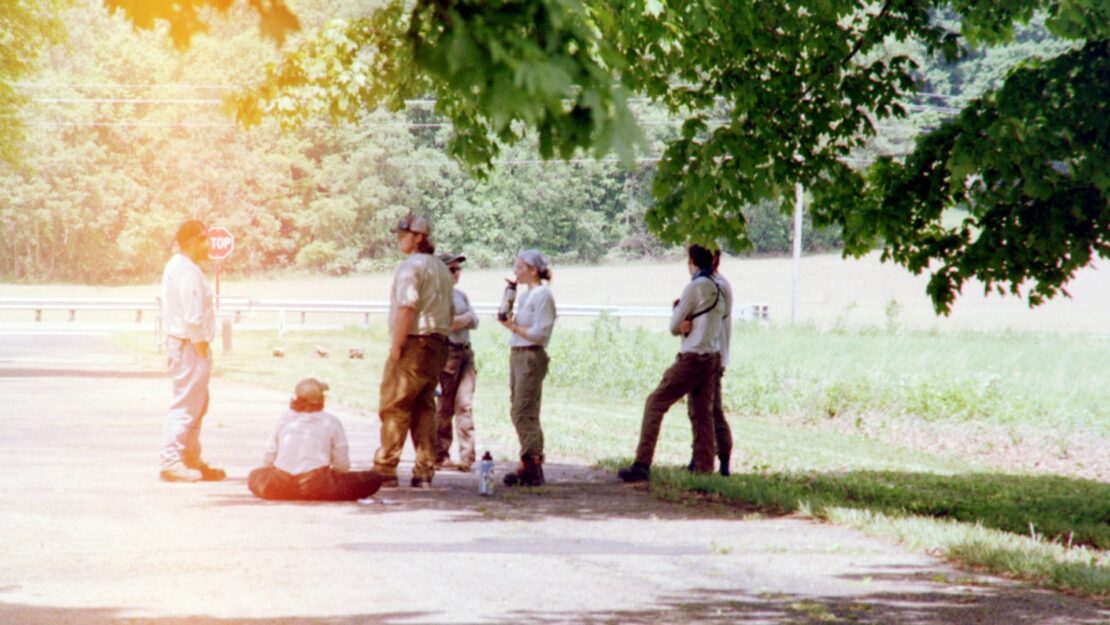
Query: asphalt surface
point(88, 534)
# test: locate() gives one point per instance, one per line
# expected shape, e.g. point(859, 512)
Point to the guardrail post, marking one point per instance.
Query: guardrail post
point(158, 324)
point(139, 316)
point(225, 334)
point(303, 314)
point(72, 314)
point(38, 315)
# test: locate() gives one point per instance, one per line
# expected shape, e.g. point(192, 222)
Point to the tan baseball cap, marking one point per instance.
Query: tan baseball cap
point(310, 389)
point(412, 223)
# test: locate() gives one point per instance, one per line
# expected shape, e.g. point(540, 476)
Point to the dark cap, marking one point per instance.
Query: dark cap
point(188, 231)
point(310, 390)
point(412, 223)
point(452, 258)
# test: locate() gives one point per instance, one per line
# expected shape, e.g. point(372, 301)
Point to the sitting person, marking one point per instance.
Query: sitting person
point(306, 457)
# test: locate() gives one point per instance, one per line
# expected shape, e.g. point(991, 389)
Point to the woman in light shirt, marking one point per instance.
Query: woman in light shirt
point(531, 331)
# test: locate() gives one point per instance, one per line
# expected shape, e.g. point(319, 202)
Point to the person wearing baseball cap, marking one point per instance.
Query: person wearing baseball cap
point(190, 325)
point(420, 316)
point(307, 458)
point(456, 383)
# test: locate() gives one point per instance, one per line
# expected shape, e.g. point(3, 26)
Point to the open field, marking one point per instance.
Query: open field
point(833, 292)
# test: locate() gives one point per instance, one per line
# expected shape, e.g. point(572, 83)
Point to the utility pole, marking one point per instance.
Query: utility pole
point(798, 208)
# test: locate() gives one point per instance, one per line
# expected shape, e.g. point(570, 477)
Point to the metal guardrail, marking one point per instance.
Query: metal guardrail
point(236, 307)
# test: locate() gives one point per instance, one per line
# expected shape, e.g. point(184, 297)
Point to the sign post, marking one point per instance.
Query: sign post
point(220, 244)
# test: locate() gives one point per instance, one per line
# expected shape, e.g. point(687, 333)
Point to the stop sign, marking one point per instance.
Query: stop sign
point(220, 243)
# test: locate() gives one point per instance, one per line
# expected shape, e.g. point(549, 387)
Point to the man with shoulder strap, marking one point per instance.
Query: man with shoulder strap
point(456, 383)
point(190, 323)
point(420, 314)
point(721, 431)
point(697, 316)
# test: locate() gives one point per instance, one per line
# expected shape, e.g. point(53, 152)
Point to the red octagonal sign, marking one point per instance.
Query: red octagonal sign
point(220, 243)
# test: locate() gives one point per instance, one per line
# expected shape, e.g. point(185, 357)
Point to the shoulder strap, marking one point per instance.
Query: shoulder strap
point(711, 306)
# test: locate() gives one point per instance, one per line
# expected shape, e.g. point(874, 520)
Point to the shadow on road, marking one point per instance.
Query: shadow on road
point(962, 604)
point(573, 492)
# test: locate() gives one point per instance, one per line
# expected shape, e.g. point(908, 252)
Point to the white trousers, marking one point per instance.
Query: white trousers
point(189, 374)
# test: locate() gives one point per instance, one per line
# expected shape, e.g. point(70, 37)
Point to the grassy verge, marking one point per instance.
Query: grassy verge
point(1051, 531)
point(1048, 530)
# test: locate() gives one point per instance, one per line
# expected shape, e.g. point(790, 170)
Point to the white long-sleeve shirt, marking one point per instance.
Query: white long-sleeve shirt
point(535, 315)
point(303, 441)
point(187, 308)
point(726, 323)
point(705, 337)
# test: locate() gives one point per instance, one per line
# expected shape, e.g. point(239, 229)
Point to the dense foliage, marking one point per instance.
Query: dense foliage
point(713, 111)
point(772, 93)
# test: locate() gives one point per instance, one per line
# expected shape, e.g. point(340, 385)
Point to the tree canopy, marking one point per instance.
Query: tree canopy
point(769, 93)
point(772, 93)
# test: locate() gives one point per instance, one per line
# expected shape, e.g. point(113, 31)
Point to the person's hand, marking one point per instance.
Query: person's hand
point(202, 349)
point(508, 323)
point(394, 352)
point(685, 326)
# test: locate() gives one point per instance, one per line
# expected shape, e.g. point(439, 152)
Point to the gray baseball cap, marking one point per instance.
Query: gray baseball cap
point(412, 223)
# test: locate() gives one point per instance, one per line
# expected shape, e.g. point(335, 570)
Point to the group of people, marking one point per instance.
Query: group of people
point(430, 321)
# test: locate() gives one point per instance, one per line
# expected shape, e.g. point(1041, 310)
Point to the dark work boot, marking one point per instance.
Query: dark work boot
point(512, 479)
point(724, 460)
point(533, 471)
point(635, 473)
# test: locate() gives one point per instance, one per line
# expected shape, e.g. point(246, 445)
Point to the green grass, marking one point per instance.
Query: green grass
point(1050, 530)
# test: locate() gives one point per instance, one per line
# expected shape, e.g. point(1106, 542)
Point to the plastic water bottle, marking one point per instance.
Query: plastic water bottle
point(485, 475)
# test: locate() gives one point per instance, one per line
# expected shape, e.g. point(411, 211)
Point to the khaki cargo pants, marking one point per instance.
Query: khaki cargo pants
point(407, 404)
point(456, 404)
point(527, 369)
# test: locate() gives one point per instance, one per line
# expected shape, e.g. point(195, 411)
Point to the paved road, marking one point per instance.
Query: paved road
point(89, 535)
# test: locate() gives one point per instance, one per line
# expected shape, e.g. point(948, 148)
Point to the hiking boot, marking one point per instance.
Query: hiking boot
point(178, 472)
point(463, 467)
point(420, 482)
point(635, 473)
point(533, 471)
point(389, 482)
point(724, 459)
point(210, 474)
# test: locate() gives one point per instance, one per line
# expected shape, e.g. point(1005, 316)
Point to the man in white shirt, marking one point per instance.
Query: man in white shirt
point(307, 458)
point(190, 324)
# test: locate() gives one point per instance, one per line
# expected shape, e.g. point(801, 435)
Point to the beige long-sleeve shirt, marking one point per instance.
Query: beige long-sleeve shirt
point(187, 307)
point(303, 441)
point(705, 337)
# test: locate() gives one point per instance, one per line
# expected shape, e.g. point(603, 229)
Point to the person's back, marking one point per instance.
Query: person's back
point(309, 440)
point(306, 456)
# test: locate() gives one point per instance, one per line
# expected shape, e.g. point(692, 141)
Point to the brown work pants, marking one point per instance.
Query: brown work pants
point(527, 369)
point(722, 433)
point(692, 375)
point(456, 403)
point(323, 484)
point(407, 403)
